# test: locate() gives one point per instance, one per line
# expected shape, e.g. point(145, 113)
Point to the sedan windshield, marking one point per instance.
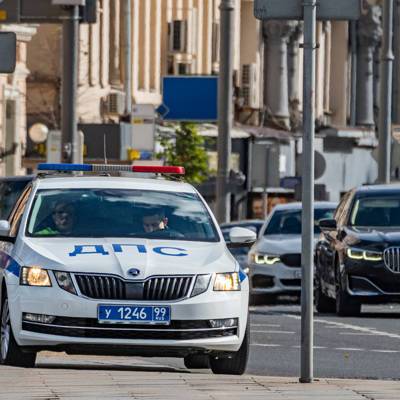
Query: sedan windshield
point(120, 213)
point(376, 211)
point(288, 222)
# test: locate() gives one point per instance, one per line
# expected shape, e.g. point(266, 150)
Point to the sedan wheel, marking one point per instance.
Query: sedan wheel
point(10, 352)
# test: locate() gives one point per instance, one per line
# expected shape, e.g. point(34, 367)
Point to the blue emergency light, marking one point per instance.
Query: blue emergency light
point(151, 169)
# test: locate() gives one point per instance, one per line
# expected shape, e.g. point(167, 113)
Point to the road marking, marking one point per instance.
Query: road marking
point(315, 347)
point(270, 325)
point(283, 332)
point(357, 333)
point(350, 326)
point(265, 345)
point(385, 351)
point(348, 349)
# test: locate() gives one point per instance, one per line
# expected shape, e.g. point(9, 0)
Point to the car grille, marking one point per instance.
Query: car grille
point(391, 257)
point(113, 288)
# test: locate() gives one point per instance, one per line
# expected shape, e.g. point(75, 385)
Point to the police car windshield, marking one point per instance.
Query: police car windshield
point(120, 213)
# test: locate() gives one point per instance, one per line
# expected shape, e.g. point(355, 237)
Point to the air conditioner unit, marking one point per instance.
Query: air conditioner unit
point(250, 86)
point(178, 36)
point(115, 103)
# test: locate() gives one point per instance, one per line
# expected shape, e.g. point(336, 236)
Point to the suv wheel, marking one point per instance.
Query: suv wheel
point(10, 353)
point(323, 303)
point(237, 362)
point(346, 306)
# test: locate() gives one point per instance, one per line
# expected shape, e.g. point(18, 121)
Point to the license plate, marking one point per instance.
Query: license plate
point(134, 314)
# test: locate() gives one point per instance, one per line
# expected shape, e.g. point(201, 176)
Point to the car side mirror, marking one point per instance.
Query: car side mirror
point(4, 227)
point(241, 237)
point(328, 225)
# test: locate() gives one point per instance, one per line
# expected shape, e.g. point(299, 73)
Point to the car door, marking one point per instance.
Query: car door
point(6, 244)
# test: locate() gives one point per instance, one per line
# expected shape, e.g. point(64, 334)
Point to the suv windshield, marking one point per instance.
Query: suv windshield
point(376, 211)
point(120, 213)
point(288, 222)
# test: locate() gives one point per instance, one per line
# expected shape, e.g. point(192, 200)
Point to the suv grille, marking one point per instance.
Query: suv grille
point(113, 288)
point(391, 257)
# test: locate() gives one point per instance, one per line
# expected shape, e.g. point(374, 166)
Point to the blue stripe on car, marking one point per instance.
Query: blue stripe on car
point(9, 264)
point(242, 275)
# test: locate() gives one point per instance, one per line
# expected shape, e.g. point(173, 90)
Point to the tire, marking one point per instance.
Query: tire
point(237, 362)
point(346, 306)
point(197, 361)
point(323, 303)
point(10, 353)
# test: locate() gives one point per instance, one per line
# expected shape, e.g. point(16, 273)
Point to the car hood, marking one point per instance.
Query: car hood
point(372, 236)
point(279, 244)
point(118, 256)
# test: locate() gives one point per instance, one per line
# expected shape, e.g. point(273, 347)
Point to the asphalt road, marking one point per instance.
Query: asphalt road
point(365, 347)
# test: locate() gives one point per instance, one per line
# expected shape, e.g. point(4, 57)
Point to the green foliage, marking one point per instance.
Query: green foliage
point(186, 149)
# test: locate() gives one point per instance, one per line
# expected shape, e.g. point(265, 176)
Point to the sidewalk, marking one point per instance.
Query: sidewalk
point(57, 377)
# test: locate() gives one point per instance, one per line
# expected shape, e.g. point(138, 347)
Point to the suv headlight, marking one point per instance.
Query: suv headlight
point(227, 282)
point(264, 259)
point(35, 276)
point(64, 280)
point(359, 254)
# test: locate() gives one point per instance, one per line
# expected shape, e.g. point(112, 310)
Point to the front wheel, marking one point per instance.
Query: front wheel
point(346, 306)
point(10, 353)
point(323, 303)
point(237, 362)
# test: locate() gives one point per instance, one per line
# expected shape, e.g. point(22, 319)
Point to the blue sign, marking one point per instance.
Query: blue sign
point(189, 98)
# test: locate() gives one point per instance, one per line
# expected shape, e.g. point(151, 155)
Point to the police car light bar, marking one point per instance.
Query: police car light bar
point(151, 169)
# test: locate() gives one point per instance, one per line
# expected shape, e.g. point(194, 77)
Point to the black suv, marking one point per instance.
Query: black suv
point(358, 254)
point(10, 190)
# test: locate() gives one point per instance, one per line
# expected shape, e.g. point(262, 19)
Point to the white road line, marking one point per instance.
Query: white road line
point(357, 333)
point(350, 326)
point(348, 349)
point(270, 325)
point(283, 332)
point(385, 351)
point(265, 345)
point(315, 347)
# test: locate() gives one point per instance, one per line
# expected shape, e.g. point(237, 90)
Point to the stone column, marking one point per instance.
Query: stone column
point(293, 62)
point(115, 43)
point(276, 102)
point(369, 34)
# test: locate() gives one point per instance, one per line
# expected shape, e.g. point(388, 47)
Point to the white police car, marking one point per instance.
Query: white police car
point(114, 265)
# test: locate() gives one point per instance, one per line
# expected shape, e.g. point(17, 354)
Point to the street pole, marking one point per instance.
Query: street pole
point(225, 109)
point(70, 139)
point(307, 296)
point(128, 57)
point(385, 109)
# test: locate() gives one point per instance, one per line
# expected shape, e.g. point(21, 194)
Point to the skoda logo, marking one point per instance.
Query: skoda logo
point(134, 272)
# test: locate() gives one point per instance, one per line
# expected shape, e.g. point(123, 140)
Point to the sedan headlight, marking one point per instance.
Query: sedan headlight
point(35, 276)
point(227, 282)
point(264, 259)
point(201, 285)
point(359, 254)
point(65, 282)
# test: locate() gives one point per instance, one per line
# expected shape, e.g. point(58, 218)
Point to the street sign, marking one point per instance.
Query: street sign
point(44, 11)
point(293, 9)
point(8, 50)
point(189, 98)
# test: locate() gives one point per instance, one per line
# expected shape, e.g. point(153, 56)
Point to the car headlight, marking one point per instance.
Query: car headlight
point(201, 285)
point(34, 276)
point(358, 254)
point(264, 259)
point(64, 280)
point(227, 282)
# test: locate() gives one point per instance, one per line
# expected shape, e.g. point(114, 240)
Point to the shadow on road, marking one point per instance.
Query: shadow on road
point(110, 367)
